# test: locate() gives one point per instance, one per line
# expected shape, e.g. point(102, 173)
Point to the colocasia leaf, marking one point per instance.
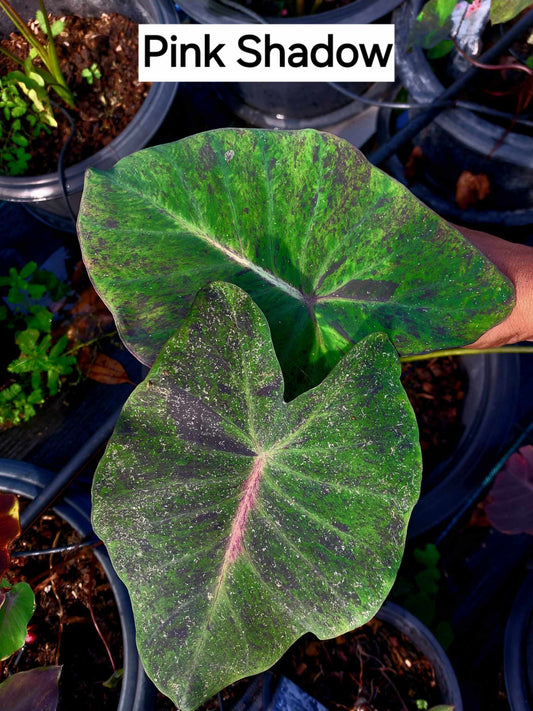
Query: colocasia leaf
point(239, 521)
point(329, 247)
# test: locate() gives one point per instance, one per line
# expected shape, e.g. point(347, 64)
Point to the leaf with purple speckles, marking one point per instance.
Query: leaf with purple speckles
point(239, 521)
point(329, 247)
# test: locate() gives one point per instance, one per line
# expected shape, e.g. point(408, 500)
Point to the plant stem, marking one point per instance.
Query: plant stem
point(300, 7)
point(316, 6)
point(89, 343)
point(493, 67)
point(465, 351)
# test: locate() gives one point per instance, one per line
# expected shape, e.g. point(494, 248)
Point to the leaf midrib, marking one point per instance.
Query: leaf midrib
point(186, 226)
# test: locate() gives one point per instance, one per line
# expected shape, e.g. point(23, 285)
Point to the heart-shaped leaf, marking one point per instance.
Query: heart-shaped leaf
point(328, 246)
point(238, 521)
point(510, 506)
point(15, 613)
point(33, 690)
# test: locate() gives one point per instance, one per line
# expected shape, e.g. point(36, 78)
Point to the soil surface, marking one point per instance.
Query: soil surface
point(374, 668)
point(103, 108)
point(61, 631)
point(436, 389)
point(288, 8)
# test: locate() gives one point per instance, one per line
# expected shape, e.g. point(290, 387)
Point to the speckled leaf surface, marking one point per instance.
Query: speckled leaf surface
point(238, 521)
point(328, 246)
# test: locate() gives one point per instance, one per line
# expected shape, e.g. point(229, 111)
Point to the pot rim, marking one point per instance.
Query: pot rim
point(29, 480)
point(418, 78)
point(360, 11)
point(138, 132)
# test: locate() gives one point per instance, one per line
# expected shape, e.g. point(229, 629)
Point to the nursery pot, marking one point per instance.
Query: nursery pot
point(44, 192)
point(459, 140)
point(426, 643)
point(27, 480)
point(294, 105)
point(518, 650)
point(289, 697)
point(488, 414)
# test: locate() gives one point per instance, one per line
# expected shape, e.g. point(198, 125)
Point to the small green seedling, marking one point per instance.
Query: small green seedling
point(50, 72)
point(41, 362)
point(91, 73)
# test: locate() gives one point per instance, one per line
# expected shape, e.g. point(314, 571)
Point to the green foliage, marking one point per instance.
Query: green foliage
point(506, 10)
point(91, 73)
point(239, 520)
point(24, 114)
point(38, 357)
point(286, 518)
point(25, 108)
point(15, 613)
point(329, 247)
point(50, 74)
point(41, 362)
point(433, 25)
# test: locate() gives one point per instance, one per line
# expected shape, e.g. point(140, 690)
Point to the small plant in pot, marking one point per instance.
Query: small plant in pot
point(109, 113)
point(260, 481)
point(485, 137)
point(59, 635)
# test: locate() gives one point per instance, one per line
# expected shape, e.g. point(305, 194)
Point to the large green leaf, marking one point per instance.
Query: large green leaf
point(15, 613)
point(237, 521)
point(329, 247)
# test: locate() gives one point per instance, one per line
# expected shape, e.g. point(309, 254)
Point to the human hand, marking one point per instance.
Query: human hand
point(516, 262)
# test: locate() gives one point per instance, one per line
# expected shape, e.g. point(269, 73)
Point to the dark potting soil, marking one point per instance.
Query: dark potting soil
point(373, 668)
point(436, 389)
point(228, 696)
point(103, 108)
point(61, 630)
point(289, 8)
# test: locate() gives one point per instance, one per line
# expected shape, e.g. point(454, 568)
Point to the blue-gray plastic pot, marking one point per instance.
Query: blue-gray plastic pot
point(137, 692)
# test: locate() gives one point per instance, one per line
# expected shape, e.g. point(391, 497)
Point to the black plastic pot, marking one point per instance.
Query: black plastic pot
point(460, 140)
point(291, 698)
point(426, 643)
point(443, 202)
point(44, 192)
point(294, 105)
point(518, 650)
point(488, 415)
point(137, 692)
